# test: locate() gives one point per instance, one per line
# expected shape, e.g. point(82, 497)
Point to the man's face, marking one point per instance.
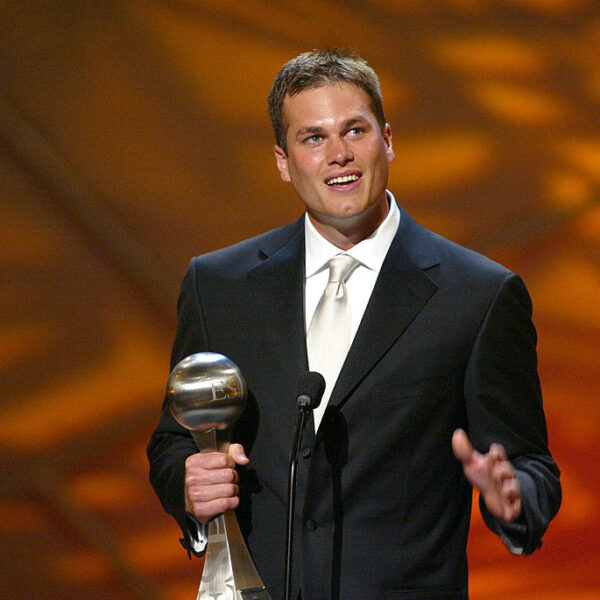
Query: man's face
point(337, 158)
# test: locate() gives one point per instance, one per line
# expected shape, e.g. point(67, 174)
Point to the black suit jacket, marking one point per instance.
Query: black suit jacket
point(383, 508)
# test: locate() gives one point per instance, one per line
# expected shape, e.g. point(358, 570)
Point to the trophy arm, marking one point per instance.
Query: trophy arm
point(212, 441)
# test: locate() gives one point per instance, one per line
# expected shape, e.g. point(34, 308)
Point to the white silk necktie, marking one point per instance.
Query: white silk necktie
point(328, 337)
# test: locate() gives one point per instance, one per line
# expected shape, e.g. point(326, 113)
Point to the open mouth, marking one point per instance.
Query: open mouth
point(345, 180)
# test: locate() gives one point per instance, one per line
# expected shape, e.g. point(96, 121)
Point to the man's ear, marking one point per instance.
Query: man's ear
point(281, 160)
point(387, 137)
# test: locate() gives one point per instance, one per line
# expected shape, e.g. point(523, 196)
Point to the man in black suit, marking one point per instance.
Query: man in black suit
point(438, 390)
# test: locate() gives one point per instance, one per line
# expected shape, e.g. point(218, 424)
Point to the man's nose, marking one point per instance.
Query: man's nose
point(339, 151)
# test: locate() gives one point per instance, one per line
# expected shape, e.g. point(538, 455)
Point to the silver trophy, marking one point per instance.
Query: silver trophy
point(207, 394)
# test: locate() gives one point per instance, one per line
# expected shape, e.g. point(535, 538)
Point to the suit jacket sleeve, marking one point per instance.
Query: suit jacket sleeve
point(504, 405)
point(170, 443)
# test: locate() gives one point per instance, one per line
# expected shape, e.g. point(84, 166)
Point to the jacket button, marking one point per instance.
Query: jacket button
point(311, 524)
point(305, 451)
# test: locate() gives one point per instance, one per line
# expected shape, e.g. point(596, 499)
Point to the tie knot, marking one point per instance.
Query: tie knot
point(341, 267)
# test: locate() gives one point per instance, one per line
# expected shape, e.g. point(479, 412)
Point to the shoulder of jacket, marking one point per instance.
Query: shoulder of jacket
point(423, 244)
point(243, 255)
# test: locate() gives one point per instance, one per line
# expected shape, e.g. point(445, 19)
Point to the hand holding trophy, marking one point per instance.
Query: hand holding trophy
point(207, 394)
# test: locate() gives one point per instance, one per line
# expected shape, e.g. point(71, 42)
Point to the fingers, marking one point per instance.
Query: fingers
point(209, 461)
point(211, 482)
point(461, 446)
point(506, 483)
point(204, 512)
point(497, 452)
point(210, 469)
point(492, 473)
point(511, 494)
point(500, 487)
point(238, 454)
point(502, 472)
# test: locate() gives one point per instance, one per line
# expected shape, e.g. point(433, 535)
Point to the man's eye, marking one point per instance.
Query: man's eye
point(313, 139)
point(356, 130)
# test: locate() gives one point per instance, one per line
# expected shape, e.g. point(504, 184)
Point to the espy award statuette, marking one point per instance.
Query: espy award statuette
point(207, 394)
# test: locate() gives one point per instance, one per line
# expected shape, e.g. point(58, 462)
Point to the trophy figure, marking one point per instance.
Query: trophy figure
point(207, 394)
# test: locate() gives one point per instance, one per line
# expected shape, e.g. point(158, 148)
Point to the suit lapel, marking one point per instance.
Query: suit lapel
point(277, 283)
point(401, 292)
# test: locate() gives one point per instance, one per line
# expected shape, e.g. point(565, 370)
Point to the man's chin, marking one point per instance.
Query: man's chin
point(341, 219)
point(349, 223)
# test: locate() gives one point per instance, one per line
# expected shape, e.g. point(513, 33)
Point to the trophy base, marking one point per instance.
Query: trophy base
point(230, 594)
point(229, 573)
point(255, 594)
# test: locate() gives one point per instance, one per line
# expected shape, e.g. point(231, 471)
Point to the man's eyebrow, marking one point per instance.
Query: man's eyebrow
point(315, 129)
point(310, 129)
point(358, 119)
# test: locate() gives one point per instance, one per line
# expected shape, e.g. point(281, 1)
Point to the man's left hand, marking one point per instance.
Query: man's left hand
point(492, 474)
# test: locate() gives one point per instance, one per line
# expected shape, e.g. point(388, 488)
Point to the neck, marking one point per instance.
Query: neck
point(347, 232)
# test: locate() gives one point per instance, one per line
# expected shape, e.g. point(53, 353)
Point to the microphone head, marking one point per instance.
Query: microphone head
point(310, 387)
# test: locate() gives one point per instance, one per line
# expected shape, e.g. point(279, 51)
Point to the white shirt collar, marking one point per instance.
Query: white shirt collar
point(370, 252)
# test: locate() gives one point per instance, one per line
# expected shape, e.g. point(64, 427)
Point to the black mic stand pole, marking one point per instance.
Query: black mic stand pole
point(304, 409)
point(310, 386)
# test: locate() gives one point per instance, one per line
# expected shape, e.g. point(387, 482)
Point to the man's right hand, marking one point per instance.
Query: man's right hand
point(211, 482)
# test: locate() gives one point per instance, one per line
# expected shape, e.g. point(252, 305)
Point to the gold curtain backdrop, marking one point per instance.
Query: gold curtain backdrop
point(134, 135)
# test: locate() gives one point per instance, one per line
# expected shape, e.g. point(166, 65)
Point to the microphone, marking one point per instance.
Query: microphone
point(310, 387)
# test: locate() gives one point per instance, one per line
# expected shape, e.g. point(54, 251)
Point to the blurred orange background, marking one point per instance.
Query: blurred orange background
point(134, 135)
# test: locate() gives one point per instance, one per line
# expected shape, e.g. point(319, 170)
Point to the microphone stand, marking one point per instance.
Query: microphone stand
point(304, 409)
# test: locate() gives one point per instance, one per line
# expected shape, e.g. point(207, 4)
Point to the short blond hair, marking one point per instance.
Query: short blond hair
point(315, 69)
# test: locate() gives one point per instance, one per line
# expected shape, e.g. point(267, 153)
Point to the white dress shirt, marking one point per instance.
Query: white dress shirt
point(370, 253)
